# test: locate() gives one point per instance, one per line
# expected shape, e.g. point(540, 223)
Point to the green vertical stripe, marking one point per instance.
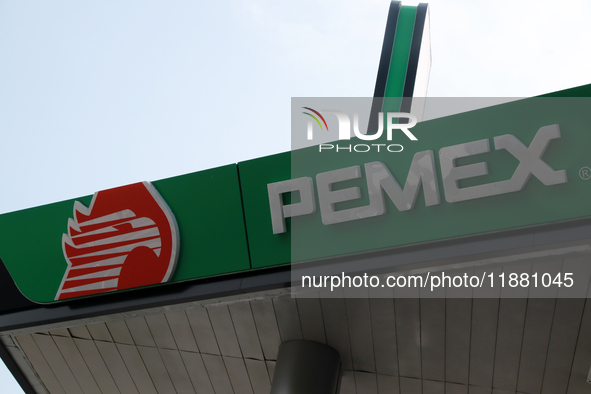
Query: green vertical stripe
point(399, 60)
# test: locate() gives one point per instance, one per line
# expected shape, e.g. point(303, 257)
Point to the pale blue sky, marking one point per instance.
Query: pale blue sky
point(95, 95)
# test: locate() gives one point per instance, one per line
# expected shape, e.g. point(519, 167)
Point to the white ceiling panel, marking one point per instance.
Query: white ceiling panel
point(536, 336)
point(458, 320)
point(408, 336)
point(383, 326)
point(359, 321)
point(216, 369)
point(348, 382)
point(563, 340)
point(511, 320)
point(433, 387)
point(388, 384)
point(266, 325)
point(21, 360)
point(79, 332)
point(42, 368)
point(337, 329)
point(99, 332)
point(288, 318)
point(59, 332)
point(246, 330)
point(311, 319)
point(387, 346)
point(72, 355)
point(116, 367)
point(581, 364)
point(119, 332)
point(433, 338)
point(366, 383)
point(271, 369)
point(160, 331)
point(483, 339)
point(479, 390)
point(410, 386)
point(156, 369)
point(202, 330)
point(177, 371)
point(259, 376)
point(452, 388)
point(224, 331)
point(509, 340)
point(197, 372)
point(97, 365)
point(238, 375)
point(495, 391)
point(181, 330)
point(140, 332)
point(137, 369)
point(57, 363)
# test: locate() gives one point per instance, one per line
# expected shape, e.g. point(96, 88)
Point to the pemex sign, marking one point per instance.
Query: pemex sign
point(143, 234)
point(422, 173)
point(509, 166)
point(175, 229)
point(128, 237)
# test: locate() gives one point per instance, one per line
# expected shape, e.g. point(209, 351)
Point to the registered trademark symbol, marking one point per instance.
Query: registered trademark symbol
point(585, 173)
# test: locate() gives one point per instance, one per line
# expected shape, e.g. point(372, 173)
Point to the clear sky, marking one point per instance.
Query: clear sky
point(99, 94)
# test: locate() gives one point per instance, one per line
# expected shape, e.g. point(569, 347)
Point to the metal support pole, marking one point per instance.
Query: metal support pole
point(306, 367)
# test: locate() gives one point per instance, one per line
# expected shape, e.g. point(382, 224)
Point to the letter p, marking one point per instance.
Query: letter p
point(279, 211)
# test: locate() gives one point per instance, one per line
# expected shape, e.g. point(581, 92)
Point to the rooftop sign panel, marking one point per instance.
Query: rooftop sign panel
point(167, 231)
point(509, 166)
point(514, 165)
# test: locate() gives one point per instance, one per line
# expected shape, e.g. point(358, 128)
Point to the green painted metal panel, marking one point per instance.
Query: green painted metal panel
point(266, 249)
point(208, 205)
point(208, 211)
point(535, 204)
point(399, 60)
point(31, 247)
